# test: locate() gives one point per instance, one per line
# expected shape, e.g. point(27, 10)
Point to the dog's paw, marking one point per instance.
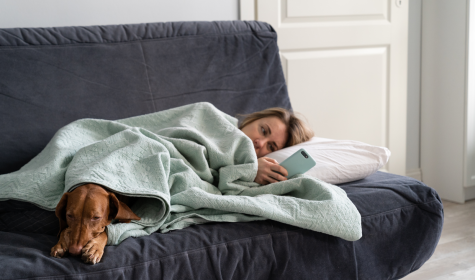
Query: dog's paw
point(92, 252)
point(58, 251)
point(61, 248)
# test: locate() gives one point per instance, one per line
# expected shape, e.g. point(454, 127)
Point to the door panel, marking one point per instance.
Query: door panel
point(342, 92)
point(324, 10)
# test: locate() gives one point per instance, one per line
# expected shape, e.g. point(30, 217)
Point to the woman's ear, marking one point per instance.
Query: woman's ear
point(120, 211)
point(61, 212)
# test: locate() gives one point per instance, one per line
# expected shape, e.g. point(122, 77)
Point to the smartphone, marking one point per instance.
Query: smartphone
point(298, 163)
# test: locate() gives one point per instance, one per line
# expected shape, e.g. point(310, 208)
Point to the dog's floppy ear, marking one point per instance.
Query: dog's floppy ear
point(120, 211)
point(61, 212)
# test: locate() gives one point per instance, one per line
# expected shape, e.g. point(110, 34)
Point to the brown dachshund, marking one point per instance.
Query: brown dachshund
point(83, 216)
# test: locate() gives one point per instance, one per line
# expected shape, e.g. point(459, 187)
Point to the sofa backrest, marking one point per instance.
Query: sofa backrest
point(50, 77)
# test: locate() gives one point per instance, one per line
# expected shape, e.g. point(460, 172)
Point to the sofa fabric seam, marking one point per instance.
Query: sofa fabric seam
point(148, 77)
point(399, 208)
point(136, 40)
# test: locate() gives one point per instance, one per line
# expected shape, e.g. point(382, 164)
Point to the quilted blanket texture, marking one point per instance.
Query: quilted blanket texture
point(187, 165)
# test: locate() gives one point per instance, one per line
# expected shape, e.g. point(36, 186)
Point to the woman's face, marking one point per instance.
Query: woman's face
point(267, 134)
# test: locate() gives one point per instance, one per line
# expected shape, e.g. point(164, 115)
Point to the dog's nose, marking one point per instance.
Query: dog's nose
point(75, 250)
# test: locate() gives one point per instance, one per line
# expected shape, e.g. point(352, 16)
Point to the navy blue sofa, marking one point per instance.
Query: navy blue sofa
point(50, 77)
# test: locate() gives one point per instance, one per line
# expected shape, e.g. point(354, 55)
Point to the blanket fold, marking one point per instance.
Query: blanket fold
point(187, 165)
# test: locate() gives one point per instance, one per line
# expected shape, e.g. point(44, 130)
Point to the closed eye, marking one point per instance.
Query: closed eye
point(271, 148)
point(96, 218)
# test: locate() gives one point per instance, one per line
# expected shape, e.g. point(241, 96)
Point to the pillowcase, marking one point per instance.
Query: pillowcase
point(339, 161)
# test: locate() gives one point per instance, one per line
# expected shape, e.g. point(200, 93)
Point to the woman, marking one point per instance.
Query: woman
point(271, 130)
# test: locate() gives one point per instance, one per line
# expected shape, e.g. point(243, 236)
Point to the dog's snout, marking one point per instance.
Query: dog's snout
point(75, 249)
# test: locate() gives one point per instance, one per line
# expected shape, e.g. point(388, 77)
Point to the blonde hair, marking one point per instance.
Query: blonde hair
point(298, 131)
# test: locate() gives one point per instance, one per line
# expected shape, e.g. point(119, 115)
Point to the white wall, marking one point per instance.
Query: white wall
point(49, 13)
point(414, 86)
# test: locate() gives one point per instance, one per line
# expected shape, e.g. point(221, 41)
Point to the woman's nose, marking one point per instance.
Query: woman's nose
point(257, 143)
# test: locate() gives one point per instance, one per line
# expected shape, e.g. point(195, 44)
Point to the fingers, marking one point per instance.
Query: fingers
point(274, 166)
point(266, 171)
point(271, 180)
point(277, 177)
point(271, 160)
point(264, 180)
point(281, 170)
point(261, 181)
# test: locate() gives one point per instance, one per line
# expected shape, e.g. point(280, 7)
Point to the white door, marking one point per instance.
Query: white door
point(345, 62)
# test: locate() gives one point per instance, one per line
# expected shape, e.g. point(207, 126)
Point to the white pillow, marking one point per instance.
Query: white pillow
point(339, 161)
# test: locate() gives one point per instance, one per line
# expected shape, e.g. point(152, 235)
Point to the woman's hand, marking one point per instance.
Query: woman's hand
point(267, 171)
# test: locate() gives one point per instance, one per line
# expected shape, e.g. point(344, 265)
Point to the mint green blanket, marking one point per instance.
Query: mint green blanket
point(188, 165)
